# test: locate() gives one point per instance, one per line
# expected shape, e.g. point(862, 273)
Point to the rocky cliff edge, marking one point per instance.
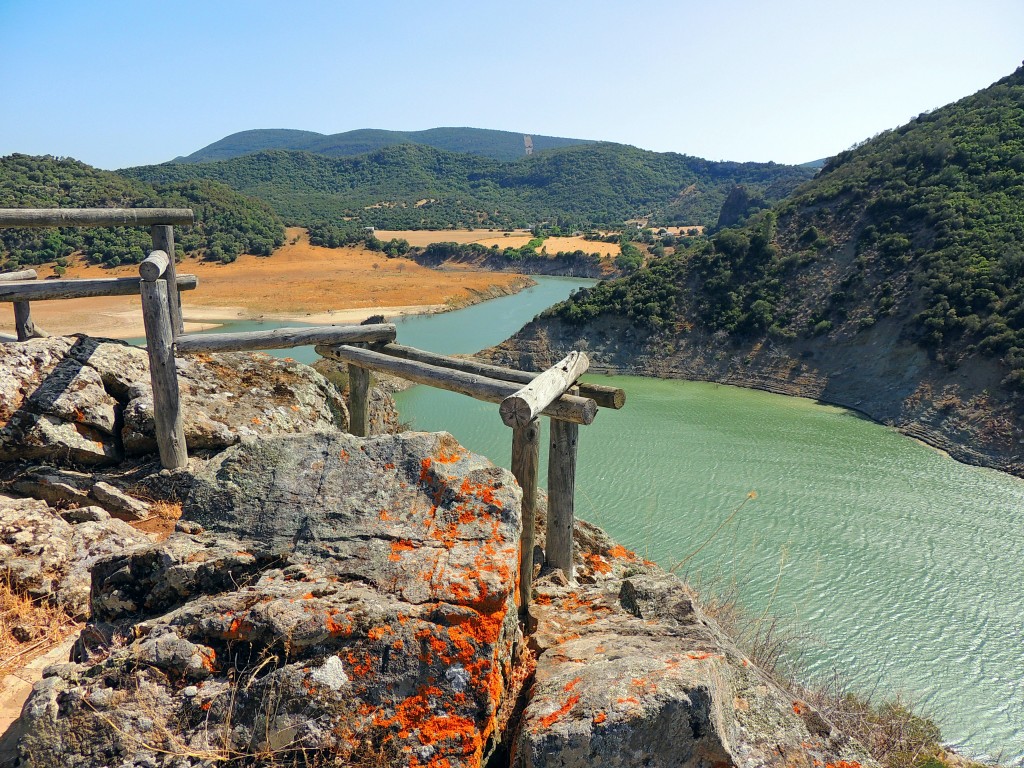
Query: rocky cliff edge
point(327, 599)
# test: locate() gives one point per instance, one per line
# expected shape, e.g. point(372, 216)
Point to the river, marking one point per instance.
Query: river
point(900, 568)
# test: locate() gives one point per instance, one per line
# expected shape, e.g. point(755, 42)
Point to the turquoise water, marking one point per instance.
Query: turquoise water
point(900, 567)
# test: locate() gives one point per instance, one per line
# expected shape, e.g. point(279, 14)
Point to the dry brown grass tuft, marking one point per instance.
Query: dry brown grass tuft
point(28, 627)
point(160, 523)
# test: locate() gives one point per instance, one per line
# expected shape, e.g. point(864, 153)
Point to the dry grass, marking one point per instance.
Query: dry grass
point(299, 279)
point(160, 524)
point(28, 628)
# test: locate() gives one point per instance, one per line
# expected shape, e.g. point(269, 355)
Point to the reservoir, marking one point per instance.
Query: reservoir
point(898, 568)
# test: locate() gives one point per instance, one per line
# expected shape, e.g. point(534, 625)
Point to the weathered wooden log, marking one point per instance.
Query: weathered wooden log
point(525, 461)
point(519, 409)
point(162, 236)
point(282, 338)
point(23, 324)
point(578, 410)
point(167, 415)
point(45, 290)
point(604, 396)
point(562, 496)
point(93, 217)
point(21, 274)
point(359, 401)
point(153, 266)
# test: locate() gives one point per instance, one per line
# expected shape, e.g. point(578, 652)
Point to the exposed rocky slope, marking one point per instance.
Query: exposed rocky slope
point(893, 283)
point(879, 374)
point(327, 597)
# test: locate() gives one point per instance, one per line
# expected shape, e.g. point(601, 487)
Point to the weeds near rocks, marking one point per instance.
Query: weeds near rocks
point(28, 627)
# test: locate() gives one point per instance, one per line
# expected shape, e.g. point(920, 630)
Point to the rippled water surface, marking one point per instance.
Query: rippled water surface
point(901, 567)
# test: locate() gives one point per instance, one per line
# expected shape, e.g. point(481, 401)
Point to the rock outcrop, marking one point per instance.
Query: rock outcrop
point(327, 598)
point(49, 554)
point(352, 598)
point(89, 402)
point(631, 673)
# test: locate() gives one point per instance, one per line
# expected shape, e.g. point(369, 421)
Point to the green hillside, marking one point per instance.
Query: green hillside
point(415, 186)
point(227, 223)
point(500, 145)
point(924, 224)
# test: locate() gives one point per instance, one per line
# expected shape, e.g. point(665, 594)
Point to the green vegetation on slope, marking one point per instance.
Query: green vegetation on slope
point(924, 224)
point(500, 145)
point(409, 186)
point(227, 223)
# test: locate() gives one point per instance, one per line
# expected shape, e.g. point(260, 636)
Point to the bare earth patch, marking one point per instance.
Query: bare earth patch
point(300, 282)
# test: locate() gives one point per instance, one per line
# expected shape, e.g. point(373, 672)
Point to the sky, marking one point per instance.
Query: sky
point(117, 84)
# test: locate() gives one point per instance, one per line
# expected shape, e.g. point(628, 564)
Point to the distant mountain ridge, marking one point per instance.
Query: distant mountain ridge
point(417, 186)
point(500, 145)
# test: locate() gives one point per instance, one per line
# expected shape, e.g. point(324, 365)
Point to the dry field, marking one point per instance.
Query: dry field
point(300, 281)
point(514, 239)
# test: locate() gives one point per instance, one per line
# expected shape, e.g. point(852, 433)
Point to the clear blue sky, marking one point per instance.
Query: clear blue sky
point(127, 83)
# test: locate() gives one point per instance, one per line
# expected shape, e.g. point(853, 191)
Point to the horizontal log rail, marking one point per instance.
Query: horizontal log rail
point(22, 274)
point(578, 410)
point(283, 338)
point(604, 396)
point(45, 290)
point(94, 217)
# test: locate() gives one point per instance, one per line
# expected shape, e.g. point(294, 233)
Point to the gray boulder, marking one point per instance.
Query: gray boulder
point(50, 557)
point(89, 401)
point(341, 599)
point(631, 673)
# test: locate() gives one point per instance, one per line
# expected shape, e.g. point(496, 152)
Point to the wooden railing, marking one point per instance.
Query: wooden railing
point(522, 396)
point(554, 393)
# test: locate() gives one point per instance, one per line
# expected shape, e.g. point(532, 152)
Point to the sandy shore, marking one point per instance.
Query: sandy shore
point(299, 283)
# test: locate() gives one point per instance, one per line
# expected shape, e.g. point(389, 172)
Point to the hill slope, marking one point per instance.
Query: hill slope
point(410, 186)
point(893, 282)
point(227, 223)
point(500, 145)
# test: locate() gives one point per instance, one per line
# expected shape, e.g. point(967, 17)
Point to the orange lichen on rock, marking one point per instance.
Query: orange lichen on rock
point(597, 563)
point(399, 546)
point(702, 655)
point(337, 627)
point(619, 551)
point(548, 720)
point(376, 633)
point(572, 684)
point(844, 764)
point(599, 718)
point(799, 708)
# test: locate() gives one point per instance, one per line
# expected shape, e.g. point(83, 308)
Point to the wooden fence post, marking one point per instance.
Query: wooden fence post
point(358, 400)
point(525, 460)
point(23, 324)
point(163, 240)
point(167, 416)
point(561, 495)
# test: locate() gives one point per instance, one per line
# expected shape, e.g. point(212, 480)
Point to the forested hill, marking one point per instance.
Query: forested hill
point(895, 280)
point(410, 185)
point(500, 145)
point(228, 223)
